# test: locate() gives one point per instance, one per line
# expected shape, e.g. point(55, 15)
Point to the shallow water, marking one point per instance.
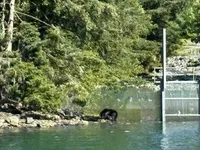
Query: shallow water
point(120, 136)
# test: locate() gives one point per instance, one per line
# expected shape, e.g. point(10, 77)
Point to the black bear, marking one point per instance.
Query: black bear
point(109, 114)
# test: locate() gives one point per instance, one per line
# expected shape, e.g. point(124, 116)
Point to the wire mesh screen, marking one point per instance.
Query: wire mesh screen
point(182, 97)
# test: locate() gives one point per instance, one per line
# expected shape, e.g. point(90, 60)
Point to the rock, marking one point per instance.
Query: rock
point(33, 114)
point(60, 112)
point(83, 122)
point(29, 120)
point(74, 122)
point(45, 123)
point(69, 113)
point(47, 116)
point(65, 122)
point(56, 117)
point(31, 125)
point(5, 106)
point(2, 121)
point(22, 121)
point(13, 120)
point(4, 125)
point(19, 105)
point(78, 118)
point(102, 120)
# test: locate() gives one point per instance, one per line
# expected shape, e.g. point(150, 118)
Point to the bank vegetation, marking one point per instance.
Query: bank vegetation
point(56, 52)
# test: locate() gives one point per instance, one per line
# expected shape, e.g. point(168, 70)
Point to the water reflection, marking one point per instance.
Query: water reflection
point(180, 135)
point(119, 136)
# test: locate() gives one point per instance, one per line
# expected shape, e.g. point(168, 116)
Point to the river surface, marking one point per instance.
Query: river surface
point(120, 136)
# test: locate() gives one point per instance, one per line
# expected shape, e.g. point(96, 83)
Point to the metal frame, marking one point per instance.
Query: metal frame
point(164, 82)
point(181, 98)
point(164, 76)
point(192, 73)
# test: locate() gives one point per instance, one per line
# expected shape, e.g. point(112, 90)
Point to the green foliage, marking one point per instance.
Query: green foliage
point(66, 49)
point(26, 83)
point(27, 41)
point(189, 21)
point(166, 14)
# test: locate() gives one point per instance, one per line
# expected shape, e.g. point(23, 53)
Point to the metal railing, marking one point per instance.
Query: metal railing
point(176, 71)
point(179, 101)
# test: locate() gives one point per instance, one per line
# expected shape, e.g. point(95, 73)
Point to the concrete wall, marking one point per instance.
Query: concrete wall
point(132, 103)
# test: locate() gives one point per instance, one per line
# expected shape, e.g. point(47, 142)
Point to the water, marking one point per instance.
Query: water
point(133, 136)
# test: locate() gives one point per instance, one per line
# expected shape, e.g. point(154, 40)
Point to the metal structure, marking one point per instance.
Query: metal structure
point(172, 73)
point(179, 98)
point(164, 76)
point(182, 98)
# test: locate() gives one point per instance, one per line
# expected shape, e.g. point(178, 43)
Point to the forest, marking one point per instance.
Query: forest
point(58, 51)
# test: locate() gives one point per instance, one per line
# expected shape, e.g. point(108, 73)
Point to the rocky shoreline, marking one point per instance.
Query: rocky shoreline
point(8, 120)
point(15, 115)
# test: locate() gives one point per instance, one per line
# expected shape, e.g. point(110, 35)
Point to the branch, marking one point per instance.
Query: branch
point(34, 18)
point(18, 17)
point(8, 100)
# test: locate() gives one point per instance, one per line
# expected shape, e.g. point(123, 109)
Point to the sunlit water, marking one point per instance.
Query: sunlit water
point(120, 136)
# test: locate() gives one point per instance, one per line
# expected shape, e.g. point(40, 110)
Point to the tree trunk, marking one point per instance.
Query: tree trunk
point(3, 19)
point(10, 26)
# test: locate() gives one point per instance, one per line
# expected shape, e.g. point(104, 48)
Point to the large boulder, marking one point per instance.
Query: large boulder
point(13, 120)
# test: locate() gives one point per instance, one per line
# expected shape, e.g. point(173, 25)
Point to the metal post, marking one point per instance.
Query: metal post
point(164, 75)
point(199, 96)
point(164, 59)
point(163, 107)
